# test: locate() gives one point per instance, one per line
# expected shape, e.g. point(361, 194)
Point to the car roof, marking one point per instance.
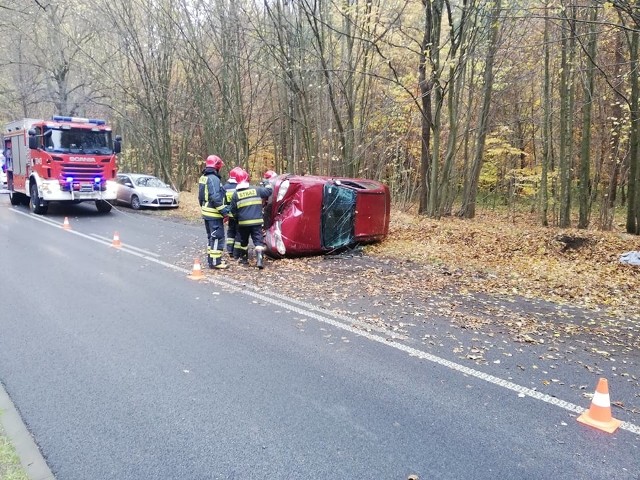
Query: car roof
point(137, 175)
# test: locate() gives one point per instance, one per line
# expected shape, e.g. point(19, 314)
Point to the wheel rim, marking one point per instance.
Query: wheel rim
point(135, 202)
point(35, 201)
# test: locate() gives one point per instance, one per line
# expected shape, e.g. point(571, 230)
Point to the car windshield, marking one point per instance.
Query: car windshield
point(149, 182)
point(338, 208)
point(77, 140)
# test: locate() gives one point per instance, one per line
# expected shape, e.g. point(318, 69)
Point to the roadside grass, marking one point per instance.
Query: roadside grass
point(10, 466)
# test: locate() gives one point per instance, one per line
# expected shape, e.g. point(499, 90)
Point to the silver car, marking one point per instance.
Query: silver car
point(138, 190)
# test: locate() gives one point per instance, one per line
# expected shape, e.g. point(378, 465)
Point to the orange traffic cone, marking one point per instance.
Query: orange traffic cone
point(599, 414)
point(196, 273)
point(116, 240)
point(65, 224)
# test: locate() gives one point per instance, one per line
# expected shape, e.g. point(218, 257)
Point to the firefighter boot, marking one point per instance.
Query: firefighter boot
point(259, 258)
point(244, 258)
point(220, 265)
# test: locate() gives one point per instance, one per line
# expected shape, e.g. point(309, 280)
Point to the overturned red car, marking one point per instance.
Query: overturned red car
point(311, 215)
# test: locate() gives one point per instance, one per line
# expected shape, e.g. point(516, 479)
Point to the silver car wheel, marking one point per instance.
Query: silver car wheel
point(135, 202)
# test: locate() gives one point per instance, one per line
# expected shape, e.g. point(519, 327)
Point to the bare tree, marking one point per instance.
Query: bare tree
point(46, 46)
point(633, 207)
point(546, 125)
point(585, 151)
point(468, 209)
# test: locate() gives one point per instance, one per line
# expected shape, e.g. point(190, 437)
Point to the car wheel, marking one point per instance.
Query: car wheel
point(103, 206)
point(135, 202)
point(34, 203)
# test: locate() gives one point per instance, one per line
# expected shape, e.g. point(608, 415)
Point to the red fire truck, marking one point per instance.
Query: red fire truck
point(65, 159)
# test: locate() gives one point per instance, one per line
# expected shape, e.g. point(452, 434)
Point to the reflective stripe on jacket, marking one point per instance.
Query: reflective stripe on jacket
point(246, 205)
point(229, 188)
point(211, 195)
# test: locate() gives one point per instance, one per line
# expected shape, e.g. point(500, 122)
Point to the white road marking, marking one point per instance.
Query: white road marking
point(94, 237)
point(141, 250)
point(337, 320)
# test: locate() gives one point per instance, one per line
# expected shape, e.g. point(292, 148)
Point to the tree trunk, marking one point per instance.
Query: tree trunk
point(633, 195)
point(608, 204)
point(468, 209)
point(426, 118)
point(546, 126)
point(566, 123)
point(585, 153)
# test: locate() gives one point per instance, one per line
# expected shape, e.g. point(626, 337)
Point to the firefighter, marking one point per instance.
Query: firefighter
point(246, 208)
point(266, 178)
point(212, 205)
point(232, 229)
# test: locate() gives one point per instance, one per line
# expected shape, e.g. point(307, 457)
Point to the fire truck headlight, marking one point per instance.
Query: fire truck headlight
point(112, 187)
point(69, 179)
point(97, 180)
point(51, 186)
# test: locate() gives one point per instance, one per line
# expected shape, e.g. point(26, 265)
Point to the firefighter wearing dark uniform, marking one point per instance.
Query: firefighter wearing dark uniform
point(232, 227)
point(246, 208)
point(268, 180)
point(211, 198)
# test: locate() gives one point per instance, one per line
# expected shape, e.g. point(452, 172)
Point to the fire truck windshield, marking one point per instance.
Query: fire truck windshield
point(77, 140)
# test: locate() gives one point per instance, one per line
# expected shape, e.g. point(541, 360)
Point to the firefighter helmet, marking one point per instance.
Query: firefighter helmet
point(242, 177)
point(269, 174)
point(233, 174)
point(214, 161)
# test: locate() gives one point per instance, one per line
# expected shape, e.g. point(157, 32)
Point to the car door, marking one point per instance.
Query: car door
point(124, 189)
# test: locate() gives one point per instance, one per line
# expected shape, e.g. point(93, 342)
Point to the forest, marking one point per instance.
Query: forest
point(451, 103)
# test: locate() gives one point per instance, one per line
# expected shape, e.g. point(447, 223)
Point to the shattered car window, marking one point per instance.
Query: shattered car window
point(338, 207)
point(150, 182)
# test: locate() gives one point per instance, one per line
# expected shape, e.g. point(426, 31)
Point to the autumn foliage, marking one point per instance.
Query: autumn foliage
point(498, 256)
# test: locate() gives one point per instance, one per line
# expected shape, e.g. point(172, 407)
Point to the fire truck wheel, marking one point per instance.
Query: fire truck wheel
point(103, 206)
point(34, 203)
point(135, 202)
point(15, 198)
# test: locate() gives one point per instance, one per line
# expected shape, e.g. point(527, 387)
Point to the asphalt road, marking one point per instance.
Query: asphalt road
point(122, 367)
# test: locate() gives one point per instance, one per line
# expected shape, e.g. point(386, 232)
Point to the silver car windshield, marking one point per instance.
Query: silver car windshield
point(149, 182)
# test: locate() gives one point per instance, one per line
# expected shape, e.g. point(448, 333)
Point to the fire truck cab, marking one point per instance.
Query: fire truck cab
point(65, 159)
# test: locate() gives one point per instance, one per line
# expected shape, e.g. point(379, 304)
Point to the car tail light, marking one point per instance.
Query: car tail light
point(282, 191)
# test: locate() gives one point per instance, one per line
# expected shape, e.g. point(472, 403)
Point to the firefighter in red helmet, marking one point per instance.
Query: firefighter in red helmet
point(246, 208)
point(232, 225)
point(267, 176)
point(211, 197)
